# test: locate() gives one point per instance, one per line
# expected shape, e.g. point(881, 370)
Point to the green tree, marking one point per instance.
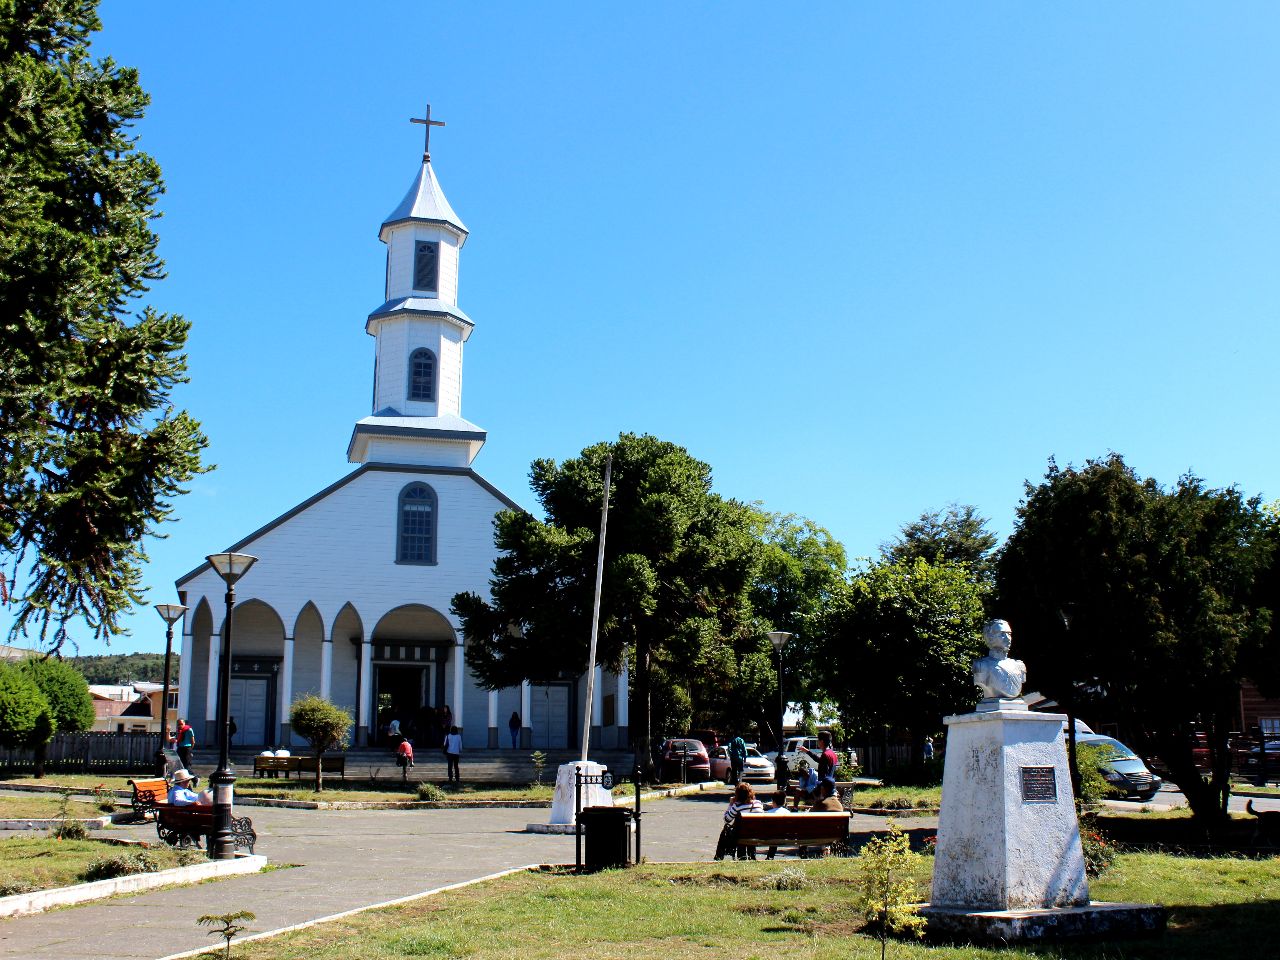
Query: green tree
point(678, 567)
point(902, 638)
point(803, 569)
point(67, 694)
point(886, 888)
point(957, 534)
point(25, 718)
point(323, 725)
point(92, 452)
point(1149, 605)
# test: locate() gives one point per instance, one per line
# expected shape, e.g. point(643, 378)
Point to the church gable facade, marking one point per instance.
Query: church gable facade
point(350, 596)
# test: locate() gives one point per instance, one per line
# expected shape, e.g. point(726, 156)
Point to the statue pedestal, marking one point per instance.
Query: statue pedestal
point(1008, 862)
point(562, 804)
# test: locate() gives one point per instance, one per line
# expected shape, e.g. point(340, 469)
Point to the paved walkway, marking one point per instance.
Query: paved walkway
point(348, 859)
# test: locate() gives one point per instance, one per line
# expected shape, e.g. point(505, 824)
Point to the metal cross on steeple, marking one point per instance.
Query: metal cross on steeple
point(428, 123)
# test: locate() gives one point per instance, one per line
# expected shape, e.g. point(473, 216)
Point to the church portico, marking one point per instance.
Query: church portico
point(352, 588)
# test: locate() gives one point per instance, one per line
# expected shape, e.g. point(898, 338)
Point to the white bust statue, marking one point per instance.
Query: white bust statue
point(997, 676)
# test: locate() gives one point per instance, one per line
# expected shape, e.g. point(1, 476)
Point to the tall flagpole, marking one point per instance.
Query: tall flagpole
point(595, 612)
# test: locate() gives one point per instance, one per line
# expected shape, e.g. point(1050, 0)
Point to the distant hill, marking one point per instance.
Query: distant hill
point(125, 667)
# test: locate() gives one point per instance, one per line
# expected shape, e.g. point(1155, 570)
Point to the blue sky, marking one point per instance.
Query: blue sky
point(865, 260)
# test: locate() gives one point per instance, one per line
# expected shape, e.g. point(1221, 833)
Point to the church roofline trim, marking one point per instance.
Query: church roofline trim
point(342, 482)
point(460, 232)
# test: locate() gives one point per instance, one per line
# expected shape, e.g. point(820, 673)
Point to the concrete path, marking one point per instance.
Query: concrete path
point(348, 859)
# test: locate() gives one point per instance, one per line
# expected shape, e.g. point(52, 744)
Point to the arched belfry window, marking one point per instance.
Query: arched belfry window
point(422, 375)
point(416, 542)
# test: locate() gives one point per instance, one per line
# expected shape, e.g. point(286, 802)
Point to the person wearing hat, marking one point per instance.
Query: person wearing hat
point(181, 794)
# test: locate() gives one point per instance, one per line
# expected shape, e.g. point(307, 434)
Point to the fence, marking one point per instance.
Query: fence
point(872, 756)
point(90, 753)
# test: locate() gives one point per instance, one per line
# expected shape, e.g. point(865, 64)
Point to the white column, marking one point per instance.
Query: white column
point(526, 704)
point(185, 670)
point(597, 701)
point(286, 690)
point(326, 668)
point(624, 694)
point(366, 685)
point(493, 719)
point(459, 678)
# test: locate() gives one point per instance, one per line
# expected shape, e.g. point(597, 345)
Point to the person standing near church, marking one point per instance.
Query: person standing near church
point(514, 726)
point(453, 753)
point(186, 741)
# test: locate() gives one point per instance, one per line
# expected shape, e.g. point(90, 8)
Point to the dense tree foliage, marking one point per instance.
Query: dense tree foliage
point(955, 535)
point(679, 565)
point(66, 693)
point(1145, 606)
point(125, 667)
point(25, 718)
point(901, 639)
point(92, 452)
point(802, 569)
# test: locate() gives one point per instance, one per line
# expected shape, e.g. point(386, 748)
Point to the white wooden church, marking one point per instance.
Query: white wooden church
point(413, 523)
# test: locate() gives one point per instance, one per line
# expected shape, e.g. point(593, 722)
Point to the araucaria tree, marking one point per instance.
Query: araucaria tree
point(1147, 606)
point(678, 567)
point(91, 451)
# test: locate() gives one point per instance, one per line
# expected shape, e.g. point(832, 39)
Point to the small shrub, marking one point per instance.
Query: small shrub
point(846, 770)
point(429, 791)
point(1091, 761)
point(121, 865)
point(189, 858)
point(887, 893)
point(67, 829)
point(10, 888)
point(104, 799)
point(1099, 852)
point(539, 765)
point(228, 925)
point(788, 878)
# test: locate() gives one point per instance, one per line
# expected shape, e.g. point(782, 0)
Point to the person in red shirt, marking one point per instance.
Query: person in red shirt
point(404, 757)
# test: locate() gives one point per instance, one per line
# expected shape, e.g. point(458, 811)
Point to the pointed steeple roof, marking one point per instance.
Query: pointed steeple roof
point(425, 202)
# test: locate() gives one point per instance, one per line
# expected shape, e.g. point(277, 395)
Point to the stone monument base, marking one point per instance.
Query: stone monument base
point(562, 804)
point(1092, 921)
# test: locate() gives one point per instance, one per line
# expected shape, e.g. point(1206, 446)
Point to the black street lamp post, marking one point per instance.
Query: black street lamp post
point(779, 640)
point(231, 567)
point(170, 613)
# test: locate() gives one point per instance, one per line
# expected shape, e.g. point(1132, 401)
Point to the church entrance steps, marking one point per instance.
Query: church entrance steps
point(480, 766)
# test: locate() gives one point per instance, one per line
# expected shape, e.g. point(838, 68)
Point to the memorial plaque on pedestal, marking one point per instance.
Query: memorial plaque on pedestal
point(1039, 785)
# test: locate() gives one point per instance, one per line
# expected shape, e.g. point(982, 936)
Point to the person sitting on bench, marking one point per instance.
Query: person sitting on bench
point(181, 794)
point(826, 800)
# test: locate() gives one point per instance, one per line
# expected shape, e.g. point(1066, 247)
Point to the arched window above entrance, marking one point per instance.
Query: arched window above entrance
point(416, 539)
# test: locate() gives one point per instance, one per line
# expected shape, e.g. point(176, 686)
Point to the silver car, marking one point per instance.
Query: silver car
point(1124, 769)
point(757, 769)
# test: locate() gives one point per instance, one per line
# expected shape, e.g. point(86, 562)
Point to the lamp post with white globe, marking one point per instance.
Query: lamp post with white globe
point(222, 846)
point(779, 640)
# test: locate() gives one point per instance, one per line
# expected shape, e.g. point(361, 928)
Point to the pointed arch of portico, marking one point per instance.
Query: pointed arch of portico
point(340, 660)
point(256, 668)
point(300, 672)
point(193, 666)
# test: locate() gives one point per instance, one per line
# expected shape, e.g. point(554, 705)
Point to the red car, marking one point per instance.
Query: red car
point(691, 754)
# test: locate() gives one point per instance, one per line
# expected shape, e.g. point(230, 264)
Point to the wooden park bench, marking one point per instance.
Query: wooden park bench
point(186, 826)
point(793, 830)
point(273, 766)
point(844, 790)
point(148, 794)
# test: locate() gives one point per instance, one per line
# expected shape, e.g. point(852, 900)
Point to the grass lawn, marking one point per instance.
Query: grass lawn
point(42, 806)
point(1220, 908)
point(37, 863)
point(897, 797)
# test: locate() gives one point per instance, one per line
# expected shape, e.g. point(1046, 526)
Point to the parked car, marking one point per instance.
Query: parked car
point(1251, 767)
point(691, 754)
point(1124, 769)
point(757, 769)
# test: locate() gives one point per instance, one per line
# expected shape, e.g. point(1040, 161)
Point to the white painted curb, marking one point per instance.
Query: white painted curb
point(93, 823)
point(350, 913)
point(23, 903)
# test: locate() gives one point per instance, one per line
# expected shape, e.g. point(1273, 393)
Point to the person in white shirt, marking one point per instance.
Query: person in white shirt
point(453, 753)
point(744, 801)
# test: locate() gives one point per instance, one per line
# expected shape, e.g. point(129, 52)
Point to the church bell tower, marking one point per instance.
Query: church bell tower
point(419, 334)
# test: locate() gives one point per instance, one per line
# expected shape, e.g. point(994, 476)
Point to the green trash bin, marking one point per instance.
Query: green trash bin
point(606, 834)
